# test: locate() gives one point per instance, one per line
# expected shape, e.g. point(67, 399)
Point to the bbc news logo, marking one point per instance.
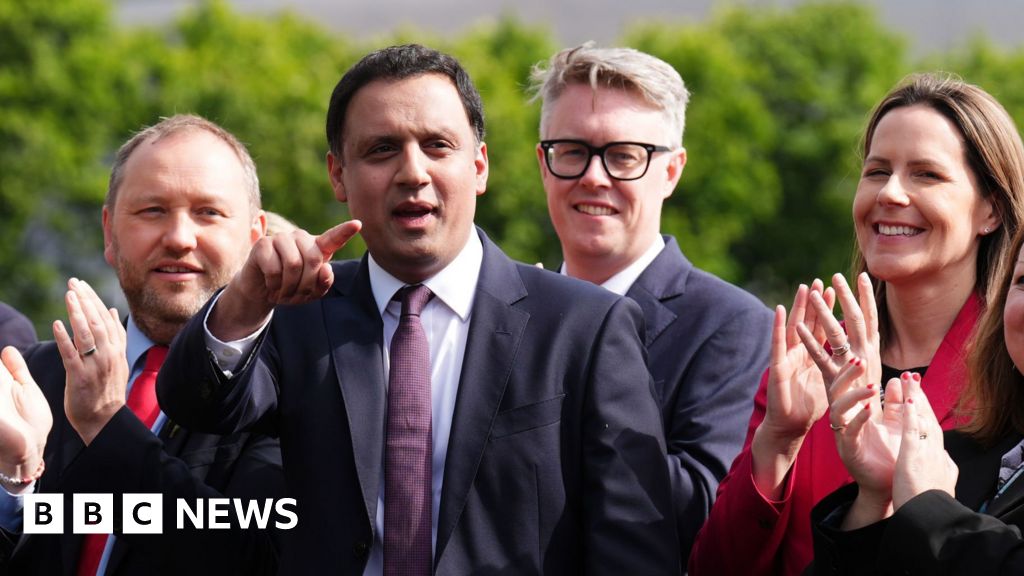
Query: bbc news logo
point(144, 513)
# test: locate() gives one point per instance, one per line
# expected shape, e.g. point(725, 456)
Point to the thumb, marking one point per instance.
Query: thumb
point(911, 428)
point(15, 364)
point(334, 238)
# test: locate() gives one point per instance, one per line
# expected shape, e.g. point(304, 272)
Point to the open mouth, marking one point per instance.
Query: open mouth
point(413, 213)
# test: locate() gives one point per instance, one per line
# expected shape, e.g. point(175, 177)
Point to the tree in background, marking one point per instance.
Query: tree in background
point(59, 91)
point(780, 98)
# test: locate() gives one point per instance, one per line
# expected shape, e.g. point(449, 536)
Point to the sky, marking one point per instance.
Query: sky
point(932, 24)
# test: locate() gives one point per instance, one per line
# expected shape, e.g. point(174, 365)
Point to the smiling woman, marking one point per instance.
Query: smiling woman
point(940, 195)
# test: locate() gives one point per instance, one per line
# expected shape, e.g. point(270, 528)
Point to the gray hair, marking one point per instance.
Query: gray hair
point(653, 79)
point(173, 125)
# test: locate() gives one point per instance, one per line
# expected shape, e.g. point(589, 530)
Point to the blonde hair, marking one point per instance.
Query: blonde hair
point(653, 79)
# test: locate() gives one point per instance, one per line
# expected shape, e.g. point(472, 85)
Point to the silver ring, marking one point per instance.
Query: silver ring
point(835, 428)
point(923, 436)
point(840, 350)
point(89, 352)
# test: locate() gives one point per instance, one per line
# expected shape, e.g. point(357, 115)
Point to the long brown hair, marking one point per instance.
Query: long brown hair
point(993, 399)
point(994, 154)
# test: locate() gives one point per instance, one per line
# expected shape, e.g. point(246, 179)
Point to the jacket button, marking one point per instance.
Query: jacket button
point(361, 549)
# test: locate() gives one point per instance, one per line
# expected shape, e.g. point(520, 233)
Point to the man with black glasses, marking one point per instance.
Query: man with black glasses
point(611, 153)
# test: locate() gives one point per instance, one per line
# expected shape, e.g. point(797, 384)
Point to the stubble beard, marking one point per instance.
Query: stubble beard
point(160, 316)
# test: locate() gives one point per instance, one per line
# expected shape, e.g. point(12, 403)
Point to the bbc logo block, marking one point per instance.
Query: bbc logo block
point(44, 514)
point(144, 514)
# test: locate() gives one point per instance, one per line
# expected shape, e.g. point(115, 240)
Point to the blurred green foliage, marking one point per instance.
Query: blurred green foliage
point(779, 101)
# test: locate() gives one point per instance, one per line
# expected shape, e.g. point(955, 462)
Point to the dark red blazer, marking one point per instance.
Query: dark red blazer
point(748, 534)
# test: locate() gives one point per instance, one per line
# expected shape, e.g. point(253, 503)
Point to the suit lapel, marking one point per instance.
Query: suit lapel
point(495, 331)
point(355, 333)
point(945, 376)
point(663, 279)
point(70, 446)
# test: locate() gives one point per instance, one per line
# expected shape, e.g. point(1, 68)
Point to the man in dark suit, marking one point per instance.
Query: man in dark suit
point(15, 328)
point(507, 426)
point(611, 154)
point(181, 213)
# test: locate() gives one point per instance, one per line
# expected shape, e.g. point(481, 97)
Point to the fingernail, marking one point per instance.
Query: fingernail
point(905, 375)
point(871, 386)
point(916, 377)
point(910, 400)
point(867, 406)
point(852, 360)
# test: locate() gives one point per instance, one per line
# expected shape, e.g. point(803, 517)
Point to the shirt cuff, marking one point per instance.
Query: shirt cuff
point(229, 356)
point(11, 506)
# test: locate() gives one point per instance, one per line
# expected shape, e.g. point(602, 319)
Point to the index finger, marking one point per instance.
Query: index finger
point(334, 238)
point(852, 314)
point(866, 295)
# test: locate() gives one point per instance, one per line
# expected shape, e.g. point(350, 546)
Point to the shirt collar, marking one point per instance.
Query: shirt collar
point(137, 344)
point(455, 284)
point(624, 279)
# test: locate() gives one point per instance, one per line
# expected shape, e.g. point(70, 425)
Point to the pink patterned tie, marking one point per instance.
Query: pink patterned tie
point(408, 449)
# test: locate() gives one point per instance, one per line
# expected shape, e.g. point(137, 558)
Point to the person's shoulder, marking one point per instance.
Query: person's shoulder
point(552, 285)
point(679, 284)
point(724, 294)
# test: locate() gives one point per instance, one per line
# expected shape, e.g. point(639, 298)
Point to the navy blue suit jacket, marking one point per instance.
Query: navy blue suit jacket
point(556, 460)
point(126, 457)
point(15, 328)
point(708, 344)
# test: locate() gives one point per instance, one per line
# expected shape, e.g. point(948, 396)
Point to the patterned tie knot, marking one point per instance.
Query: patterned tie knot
point(413, 298)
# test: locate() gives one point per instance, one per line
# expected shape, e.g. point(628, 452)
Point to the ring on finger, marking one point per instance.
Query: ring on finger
point(923, 436)
point(89, 352)
point(840, 350)
point(836, 428)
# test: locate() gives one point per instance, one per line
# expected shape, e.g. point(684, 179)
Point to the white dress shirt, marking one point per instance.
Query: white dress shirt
point(446, 324)
point(621, 282)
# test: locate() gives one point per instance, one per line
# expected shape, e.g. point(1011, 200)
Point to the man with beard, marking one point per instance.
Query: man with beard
point(181, 213)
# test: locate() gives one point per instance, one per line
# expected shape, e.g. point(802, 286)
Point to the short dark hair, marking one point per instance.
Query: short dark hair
point(398, 63)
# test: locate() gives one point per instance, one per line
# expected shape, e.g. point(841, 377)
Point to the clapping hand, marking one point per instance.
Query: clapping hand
point(796, 398)
point(94, 360)
point(25, 421)
point(859, 340)
point(923, 463)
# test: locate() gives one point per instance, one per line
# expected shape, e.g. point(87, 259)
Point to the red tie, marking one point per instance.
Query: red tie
point(141, 401)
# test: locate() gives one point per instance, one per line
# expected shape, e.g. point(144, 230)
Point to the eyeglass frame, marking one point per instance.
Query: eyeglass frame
point(547, 145)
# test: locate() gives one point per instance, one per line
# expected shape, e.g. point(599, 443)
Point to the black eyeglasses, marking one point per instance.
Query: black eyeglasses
point(622, 160)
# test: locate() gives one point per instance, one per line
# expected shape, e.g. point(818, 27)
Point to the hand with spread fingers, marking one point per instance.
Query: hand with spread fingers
point(923, 463)
point(94, 360)
point(795, 393)
point(868, 439)
point(288, 268)
point(860, 339)
point(25, 421)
